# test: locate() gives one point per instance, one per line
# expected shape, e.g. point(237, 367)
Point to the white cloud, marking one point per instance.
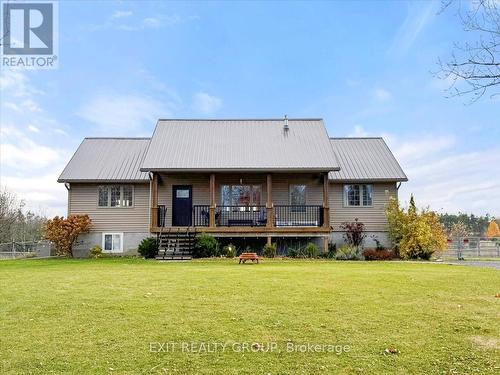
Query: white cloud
point(121, 14)
point(59, 131)
point(457, 182)
point(22, 153)
point(205, 103)
point(382, 95)
point(441, 176)
point(359, 131)
point(123, 20)
point(31, 158)
point(418, 16)
point(446, 179)
point(414, 150)
point(119, 114)
point(152, 22)
point(41, 193)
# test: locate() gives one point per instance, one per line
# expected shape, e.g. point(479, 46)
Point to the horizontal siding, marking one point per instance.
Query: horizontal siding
point(314, 188)
point(373, 217)
point(200, 183)
point(83, 200)
point(201, 190)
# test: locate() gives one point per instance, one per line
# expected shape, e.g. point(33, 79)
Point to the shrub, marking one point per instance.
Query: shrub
point(148, 247)
point(95, 252)
point(378, 244)
point(229, 251)
point(353, 232)
point(493, 230)
point(206, 246)
point(311, 250)
point(269, 250)
point(330, 254)
point(293, 252)
point(414, 234)
point(374, 254)
point(64, 232)
point(332, 249)
point(347, 252)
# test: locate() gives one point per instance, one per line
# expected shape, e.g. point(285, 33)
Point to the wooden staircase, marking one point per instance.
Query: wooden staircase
point(176, 244)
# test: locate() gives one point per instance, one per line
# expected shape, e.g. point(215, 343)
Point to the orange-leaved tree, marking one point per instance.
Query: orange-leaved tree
point(493, 230)
point(64, 232)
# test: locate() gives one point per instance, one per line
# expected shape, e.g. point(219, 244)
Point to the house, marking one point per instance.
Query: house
point(261, 179)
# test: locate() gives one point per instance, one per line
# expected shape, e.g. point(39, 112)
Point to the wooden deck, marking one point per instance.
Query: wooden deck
point(262, 230)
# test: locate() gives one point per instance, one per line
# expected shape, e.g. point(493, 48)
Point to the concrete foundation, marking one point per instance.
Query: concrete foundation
point(86, 241)
point(369, 242)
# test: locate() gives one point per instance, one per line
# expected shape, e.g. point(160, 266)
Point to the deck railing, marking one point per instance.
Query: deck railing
point(162, 215)
point(201, 215)
point(252, 216)
point(240, 216)
point(298, 216)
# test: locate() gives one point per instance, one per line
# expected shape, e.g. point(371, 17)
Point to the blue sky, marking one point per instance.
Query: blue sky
point(365, 67)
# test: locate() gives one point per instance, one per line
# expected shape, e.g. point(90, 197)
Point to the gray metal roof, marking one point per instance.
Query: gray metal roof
point(105, 159)
point(365, 159)
point(235, 145)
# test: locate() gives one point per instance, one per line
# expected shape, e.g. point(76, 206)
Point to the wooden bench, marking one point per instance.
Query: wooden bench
point(248, 256)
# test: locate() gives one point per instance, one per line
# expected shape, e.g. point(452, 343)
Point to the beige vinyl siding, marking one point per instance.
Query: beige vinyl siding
point(201, 192)
point(200, 183)
point(314, 188)
point(83, 200)
point(373, 217)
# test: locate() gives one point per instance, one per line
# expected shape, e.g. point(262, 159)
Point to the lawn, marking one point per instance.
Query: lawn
point(112, 316)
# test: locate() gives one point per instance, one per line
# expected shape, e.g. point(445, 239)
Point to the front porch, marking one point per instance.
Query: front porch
point(266, 204)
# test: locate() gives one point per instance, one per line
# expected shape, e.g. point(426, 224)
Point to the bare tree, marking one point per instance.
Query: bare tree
point(474, 67)
point(16, 224)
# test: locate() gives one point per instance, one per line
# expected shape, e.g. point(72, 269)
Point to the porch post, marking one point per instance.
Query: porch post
point(269, 203)
point(211, 217)
point(326, 204)
point(154, 200)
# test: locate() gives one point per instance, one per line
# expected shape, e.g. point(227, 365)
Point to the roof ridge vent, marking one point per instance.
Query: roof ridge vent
point(285, 125)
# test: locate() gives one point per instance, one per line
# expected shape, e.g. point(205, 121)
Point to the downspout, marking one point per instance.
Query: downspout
point(68, 188)
point(398, 185)
point(150, 176)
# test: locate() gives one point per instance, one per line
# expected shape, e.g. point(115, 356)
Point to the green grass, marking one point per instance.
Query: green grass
point(100, 316)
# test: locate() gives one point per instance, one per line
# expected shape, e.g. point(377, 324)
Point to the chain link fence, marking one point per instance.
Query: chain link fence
point(28, 249)
point(473, 247)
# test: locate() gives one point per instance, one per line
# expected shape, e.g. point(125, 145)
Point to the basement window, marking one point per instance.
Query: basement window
point(115, 196)
point(112, 242)
point(358, 195)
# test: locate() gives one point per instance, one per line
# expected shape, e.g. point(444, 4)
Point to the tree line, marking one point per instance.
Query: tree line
point(475, 226)
point(17, 223)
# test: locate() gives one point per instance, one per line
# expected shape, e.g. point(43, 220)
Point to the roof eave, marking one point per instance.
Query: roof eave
point(357, 180)
point(96, 181)
point(304, 169)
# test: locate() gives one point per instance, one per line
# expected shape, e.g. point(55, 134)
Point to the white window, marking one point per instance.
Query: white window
point(115, 196)
point(358, 195)
point(241, 196)
point(182, 193)
point(112, 242)
point(298, 198)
